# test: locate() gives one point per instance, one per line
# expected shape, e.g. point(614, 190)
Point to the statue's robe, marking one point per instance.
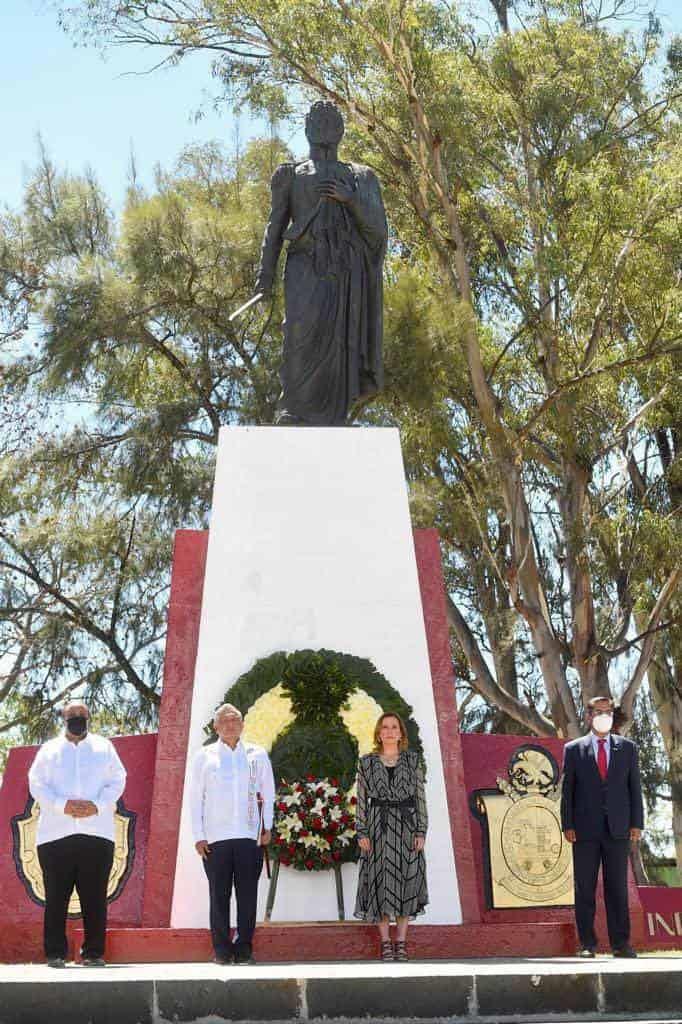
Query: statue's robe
point(332, 287)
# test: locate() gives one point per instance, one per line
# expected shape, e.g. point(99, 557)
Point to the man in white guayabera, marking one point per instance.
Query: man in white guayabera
point(76, 779)
point(232, 801)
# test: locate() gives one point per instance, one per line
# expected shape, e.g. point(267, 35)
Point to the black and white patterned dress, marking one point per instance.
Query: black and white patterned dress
point(391, 811)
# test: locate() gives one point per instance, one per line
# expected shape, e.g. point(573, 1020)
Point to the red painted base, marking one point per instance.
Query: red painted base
point(347, 941)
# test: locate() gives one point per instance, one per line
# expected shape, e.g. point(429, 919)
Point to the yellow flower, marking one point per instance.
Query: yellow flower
point(268, 717)
point(271, 714)
point(360, 719)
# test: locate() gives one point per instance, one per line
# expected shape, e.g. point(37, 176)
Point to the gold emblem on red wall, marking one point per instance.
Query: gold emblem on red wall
point(528, 862)
point(24, 831)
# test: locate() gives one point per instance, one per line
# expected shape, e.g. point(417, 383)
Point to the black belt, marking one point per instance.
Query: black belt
point(406, 809)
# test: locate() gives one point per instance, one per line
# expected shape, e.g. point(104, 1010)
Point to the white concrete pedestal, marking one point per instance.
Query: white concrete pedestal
point(311, 546)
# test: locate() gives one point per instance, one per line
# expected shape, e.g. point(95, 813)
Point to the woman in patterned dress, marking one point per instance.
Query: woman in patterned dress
point(391, 826)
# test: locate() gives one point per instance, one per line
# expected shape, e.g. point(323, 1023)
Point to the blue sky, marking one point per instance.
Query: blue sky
point(91, 110)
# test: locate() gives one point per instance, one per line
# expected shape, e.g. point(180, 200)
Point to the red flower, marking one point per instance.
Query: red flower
point(291, 848)
point(334, 782)
point(285, 861)
point(336, 855)
point(344, 819)
point(309, 865)
point(303, 833)
point(310, 778)
point(336, 799)
point(317, 823)
point(330, 838)
point(353, 800)
point(319, 792)
point(282, 807)
point(301, 815)
point(333, 827)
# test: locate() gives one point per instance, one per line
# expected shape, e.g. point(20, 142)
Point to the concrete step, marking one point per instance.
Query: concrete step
point(467, 991)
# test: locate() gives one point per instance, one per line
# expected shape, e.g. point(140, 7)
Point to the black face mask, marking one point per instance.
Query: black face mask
point(77, 725)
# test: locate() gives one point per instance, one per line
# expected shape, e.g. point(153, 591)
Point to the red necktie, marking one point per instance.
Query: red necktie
point(601, 760)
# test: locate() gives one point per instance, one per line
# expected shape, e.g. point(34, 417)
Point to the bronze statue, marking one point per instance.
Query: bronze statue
point(332, 215)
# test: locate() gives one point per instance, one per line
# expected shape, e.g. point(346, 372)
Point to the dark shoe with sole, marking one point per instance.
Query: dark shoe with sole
point(626, 952)
point(224, 959)
point(244, 959)
point(93, 961)
point(586, 953)
point(56, 961)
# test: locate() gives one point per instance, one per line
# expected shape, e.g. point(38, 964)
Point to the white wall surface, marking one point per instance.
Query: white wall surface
point(311, 546)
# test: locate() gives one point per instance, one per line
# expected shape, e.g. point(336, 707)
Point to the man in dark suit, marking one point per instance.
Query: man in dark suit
point(601, 813)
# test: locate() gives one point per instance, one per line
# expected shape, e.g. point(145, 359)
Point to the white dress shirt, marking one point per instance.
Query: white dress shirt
point(607, 746)
point(88, 770)
point(225, 789)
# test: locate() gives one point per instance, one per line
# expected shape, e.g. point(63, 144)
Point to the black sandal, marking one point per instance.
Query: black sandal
point(386, 950)
point(401, 952)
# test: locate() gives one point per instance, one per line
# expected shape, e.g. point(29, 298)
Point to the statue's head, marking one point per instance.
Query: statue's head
point(324, 124)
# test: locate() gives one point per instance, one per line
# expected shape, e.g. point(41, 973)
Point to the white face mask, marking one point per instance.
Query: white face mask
point(602, 722)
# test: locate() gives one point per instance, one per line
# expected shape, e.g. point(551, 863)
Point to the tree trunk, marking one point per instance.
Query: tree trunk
point(676, 792)
point(667, 699)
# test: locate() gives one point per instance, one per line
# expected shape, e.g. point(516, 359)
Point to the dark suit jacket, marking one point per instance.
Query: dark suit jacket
point(585, 799)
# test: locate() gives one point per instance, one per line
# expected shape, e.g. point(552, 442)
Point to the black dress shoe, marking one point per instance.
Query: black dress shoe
point(586, 953)
point(626, 952)
point(94, 961)
point(224, 959)
point(244, 959)
point(56, 961)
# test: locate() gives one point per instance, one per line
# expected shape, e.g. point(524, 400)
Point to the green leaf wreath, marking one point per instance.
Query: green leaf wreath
point(319, 684)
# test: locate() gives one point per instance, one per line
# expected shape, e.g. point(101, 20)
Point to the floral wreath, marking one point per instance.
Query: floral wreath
point(259, 695)
point(314, 827)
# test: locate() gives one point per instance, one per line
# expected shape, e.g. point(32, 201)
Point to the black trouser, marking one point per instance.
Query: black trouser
point(237, 862)
point(613, 856)
point(83, 862)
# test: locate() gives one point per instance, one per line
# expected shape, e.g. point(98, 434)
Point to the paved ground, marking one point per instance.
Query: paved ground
point(648, 963)
point(537, 989)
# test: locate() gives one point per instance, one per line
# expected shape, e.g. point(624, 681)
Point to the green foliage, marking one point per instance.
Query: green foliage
point(324, 749)
point(119, 366)
point(316, 685)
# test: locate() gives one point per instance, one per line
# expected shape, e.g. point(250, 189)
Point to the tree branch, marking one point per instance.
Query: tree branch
point(485, 683)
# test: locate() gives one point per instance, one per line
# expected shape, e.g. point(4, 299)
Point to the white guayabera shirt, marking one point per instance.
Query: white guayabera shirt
point(88, 770)
point(224, 792)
